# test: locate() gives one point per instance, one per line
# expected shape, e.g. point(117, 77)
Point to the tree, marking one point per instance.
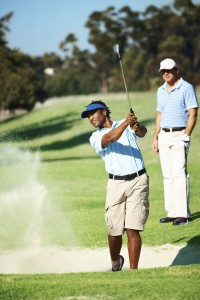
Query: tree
point(105, 30)
point(157, 33)
point(189, 29)
point(4, 29)
point(70, 39)
point(145, 38)
point(76, 75)
point(20, 82)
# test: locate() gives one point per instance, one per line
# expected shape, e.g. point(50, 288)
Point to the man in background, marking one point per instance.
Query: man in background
point(176, 118)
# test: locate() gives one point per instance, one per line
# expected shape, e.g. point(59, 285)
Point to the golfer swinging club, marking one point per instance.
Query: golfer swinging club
point(127, 205)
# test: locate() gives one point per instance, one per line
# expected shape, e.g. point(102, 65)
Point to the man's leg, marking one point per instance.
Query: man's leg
point(134, 247)
point(181, 178)
point(115, 245)
point(165, 153)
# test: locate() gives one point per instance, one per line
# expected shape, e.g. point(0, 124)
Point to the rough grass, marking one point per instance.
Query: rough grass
point(161, 283)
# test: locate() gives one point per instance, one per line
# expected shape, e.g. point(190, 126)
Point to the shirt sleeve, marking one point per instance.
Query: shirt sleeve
point(191, 98)
point(95, 141)
point(160, 98)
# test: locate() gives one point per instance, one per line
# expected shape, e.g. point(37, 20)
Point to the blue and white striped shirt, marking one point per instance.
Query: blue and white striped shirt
point(175, 104)
point(121, 157)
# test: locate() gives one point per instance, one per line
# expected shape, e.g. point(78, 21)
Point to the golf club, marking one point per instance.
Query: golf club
point(116, 50)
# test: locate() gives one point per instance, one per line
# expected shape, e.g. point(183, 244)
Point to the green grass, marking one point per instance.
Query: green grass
point(75, 180)
point(162, 283)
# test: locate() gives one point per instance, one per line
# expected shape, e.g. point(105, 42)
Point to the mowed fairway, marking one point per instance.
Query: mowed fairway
point(73, 214)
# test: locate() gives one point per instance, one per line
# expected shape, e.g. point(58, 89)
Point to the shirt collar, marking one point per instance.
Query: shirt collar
point(176, 86)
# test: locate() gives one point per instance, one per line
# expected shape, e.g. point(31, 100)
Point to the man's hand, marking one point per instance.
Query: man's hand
point(186, 140)
point(135, 126)
point(114, 134)
point(131, 119)
point(138, 128)
point(155, 145)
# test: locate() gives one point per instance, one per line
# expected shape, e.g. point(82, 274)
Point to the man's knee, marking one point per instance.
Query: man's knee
point(132, 232)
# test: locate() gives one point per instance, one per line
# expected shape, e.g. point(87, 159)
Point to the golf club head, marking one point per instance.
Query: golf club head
point(116, 50)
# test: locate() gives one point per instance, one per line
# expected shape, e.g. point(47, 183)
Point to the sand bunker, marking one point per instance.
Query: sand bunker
point(54, 260)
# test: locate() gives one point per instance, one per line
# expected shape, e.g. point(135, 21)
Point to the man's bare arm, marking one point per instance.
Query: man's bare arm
point(156, 132)
point(114, 134)
point(192, 118)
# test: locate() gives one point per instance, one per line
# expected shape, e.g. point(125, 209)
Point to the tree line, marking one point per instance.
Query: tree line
point(145, 38)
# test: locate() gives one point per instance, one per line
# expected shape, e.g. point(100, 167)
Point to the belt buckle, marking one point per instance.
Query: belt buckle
point(129, 177)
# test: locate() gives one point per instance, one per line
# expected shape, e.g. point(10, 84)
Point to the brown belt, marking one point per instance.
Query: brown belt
point(173, 129)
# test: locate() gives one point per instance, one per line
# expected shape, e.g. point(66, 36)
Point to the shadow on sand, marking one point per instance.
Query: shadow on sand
point(189, 254)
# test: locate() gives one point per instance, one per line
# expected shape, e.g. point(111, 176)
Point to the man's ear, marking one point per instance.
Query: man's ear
point(176, 70)
point(104, 112)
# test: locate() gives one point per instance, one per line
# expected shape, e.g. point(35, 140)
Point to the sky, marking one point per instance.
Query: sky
point(38, 26)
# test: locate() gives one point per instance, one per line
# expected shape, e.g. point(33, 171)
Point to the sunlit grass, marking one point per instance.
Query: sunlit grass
point(75, 179)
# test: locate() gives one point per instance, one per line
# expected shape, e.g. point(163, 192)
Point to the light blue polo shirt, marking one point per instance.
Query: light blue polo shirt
point(174, 105)
point(121, 157)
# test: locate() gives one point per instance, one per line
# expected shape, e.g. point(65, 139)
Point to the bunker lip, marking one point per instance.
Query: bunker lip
point(56, 260)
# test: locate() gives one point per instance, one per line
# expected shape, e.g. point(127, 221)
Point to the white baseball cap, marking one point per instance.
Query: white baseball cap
point(167, 64)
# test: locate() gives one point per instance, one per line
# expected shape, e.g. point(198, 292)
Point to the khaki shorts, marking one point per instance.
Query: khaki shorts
point(127, 205)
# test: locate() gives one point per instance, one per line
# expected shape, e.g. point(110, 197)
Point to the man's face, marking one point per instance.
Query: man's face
point(97, 117)
point(170, 76)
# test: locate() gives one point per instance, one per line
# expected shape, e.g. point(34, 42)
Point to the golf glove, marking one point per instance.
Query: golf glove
point(186, 140)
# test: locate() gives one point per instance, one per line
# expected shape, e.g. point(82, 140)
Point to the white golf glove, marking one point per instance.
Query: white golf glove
point(185, 139)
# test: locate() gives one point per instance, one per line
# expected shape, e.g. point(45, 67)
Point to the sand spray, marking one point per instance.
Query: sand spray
point(34, 233)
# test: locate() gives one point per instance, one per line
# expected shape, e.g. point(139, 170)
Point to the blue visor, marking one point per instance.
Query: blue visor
point(92, 106)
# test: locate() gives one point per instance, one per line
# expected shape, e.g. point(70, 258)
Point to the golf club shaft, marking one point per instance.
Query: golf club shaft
point(131, 110)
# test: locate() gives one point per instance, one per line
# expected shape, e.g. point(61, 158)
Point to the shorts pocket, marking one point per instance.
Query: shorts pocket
point(108, 219)
point(145, 211)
